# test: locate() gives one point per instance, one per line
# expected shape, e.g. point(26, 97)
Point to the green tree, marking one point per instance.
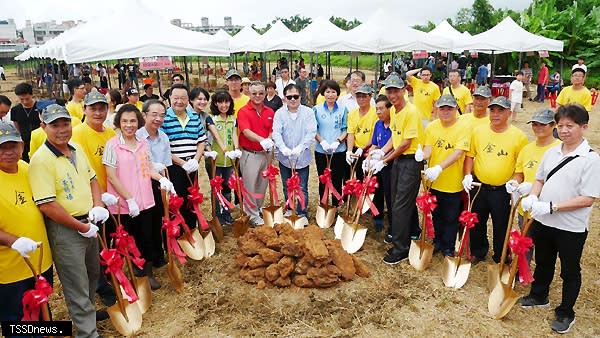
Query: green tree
point(295, 23)
point(261, 30)
point(483, 16)
point(463, 21)
point(343, 23)
point(425, 28)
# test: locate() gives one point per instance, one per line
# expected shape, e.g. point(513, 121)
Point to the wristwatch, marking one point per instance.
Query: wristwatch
point(554, 207)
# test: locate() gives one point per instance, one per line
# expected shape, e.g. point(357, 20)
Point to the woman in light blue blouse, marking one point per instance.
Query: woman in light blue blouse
point(332, 121)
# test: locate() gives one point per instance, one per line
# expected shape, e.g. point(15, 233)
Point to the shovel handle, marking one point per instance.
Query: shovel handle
point(471, 201)
point(513, 210)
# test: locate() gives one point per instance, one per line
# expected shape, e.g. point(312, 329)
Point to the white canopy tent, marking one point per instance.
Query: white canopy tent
point(445, 30)
point(507, 36)
point(319, 36)
point(279, 37)
point(246, 40)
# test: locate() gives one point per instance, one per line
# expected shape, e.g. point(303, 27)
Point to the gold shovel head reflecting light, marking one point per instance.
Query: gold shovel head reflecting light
point(325, 215)
point(353, 237)
point(196, 250)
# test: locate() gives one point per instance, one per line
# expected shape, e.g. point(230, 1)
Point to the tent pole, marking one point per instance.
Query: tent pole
point(493, 66)
point(187, 75)
point(159, 84)
point(263, 67)
point(520, 58)
point(60, 78)
point(350, 59)
point(107, 74)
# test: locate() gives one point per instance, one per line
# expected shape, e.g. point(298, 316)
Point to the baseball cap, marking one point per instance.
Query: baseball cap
point(365, 89)
point(483, 91)
point(232, 72)
point(54, 112)
point(544, 115)
point(446, 100)
point(393, 81)
point(94, 97)
point(501, 101)
point(8, 133)
point(132, 91)
point(246, 80)
point(579, 68)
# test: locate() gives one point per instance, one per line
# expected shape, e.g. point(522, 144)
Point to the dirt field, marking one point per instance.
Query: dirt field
point(395, 301)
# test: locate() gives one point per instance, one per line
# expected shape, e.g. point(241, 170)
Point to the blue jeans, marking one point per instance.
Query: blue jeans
point(303, 173)
point(541, 93)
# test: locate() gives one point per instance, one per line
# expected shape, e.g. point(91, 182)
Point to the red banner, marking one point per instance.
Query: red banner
point(156, 63)
point(420, 54)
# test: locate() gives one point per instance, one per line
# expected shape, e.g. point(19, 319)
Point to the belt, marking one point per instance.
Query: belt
point(254, 151)
point(485, 186)
point(407, 156)
point(82, 218)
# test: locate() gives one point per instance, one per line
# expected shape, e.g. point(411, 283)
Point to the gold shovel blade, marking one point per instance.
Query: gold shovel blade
point(240, 226)
point(144, 292)
point(494, 273)
point(419, 255)
point(325, 215)
point(209, 243)
point(501, 301)
point(455, 272)
point(194, 251)
point(127, 324)
point(339, 226)
point(272, 215)
point(217, 229)
point(175, 276)
point(296, 222)
point(353, 237)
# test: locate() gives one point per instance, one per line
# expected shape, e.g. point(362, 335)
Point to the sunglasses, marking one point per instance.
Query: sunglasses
point(290, 97)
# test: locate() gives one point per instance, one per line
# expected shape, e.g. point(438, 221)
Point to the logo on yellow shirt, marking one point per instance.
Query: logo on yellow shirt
point(20, 198)
point(489, 148)
point(502, 153)
point(99, 151)
point(68, 186)
point(531, 164)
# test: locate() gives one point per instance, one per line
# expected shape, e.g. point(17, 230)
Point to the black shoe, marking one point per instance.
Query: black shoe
point(562, 324)
point(107, 295)
point(393, 259)
point(138, 272)
point(530, 302)
point(387, 239)
point(159, 263)
point(101, 315)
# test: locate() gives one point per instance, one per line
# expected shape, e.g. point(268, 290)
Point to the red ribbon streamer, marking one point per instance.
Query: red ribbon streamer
point(349, 187)
point(195, 198)
point(426, 202)
point(325, 179)
point(34, 299)
point(175, 204)
point(370, 185)
point(242, 192)
point(125, 245)
point(468, 220)
point(172, 230)
point(216, 185)
point(520, 245)
point(271, 174)
point(294, 190)
point(114, 264)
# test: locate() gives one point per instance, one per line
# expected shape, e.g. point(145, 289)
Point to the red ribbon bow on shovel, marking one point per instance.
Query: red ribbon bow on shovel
point(520, 245)
point(125, 245)
point(216, 185)
point(172, 230)
point(34, 299)
point(468, 220)
point(294, 190)
point(426, 202)
point(325, 179)
point(114, 264)
point(271, 174)
point(195, 198)
point(370, 184)
point(242, 192)
point(349, 187)
point(175, 203)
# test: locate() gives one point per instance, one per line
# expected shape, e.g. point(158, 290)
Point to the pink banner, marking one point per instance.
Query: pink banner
point(156, 63)
point(420, 54)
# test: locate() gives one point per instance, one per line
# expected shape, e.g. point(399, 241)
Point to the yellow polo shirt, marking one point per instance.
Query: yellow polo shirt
point(75, 109)
point(38, 137)
point(239, 103)
point(495, 153)
point(92, 143)
point(22, 218)
point(362, 126)
point(406, 124)
point(474, 122)
point(462, 95)
point(568, 95)
point(424, 95)
point(53, 177)
point(444, 142)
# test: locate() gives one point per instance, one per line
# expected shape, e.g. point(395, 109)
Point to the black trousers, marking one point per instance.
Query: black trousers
point(339, 172)
point(445, 220)
point(181, 181)
point(495, 202)
point(550, 242)
point(405, 179)
point(158, 240)
point(140, 227)
point(383, 194)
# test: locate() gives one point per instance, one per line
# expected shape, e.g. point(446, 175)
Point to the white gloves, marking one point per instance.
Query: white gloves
point(211, 154)
point(25, 246)
point(358, 152)
point(267, 144)
point(233, 154)
point(90, 233)
point(433, 173)
point(540, 209)
point(350, 158)
point(419, 154)
point(377, 166)
point(467, 182)
point(98, 215)
point(165, 184)
point(296, 151)
point(333, 147)
point(159, 167)
point(285, 151)
point(190, 166)
point(377, 154)
point(109, 199)
point(134, 209)
point(524, 188)
point(325, 145)
point(511, 186)
point(528, 202)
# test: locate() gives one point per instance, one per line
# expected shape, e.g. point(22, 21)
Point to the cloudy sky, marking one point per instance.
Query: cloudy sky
point(244, 12)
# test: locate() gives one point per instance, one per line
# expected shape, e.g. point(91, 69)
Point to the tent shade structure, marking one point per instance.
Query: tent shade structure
point(319, 36)
point(279, 37)
point(445, 30)
point(507, 36)
point(246, 40)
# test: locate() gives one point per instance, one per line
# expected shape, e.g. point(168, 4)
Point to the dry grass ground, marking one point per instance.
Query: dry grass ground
point(394, 301)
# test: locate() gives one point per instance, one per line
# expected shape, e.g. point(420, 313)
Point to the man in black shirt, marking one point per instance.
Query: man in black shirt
point(132, 71)
point(148, 93)
point(25, 115)
point(122, 70)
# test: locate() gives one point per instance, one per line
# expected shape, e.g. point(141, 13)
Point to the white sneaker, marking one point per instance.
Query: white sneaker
point(256, 221)
point(288, 213)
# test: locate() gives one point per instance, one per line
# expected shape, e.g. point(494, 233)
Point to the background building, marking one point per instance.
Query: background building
point(205, 27)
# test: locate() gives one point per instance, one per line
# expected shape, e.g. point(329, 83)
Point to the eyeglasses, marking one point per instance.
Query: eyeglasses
point(292, 97)
point(155, 115)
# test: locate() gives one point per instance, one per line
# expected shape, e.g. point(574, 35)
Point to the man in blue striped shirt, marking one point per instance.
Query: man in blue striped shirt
point(186, 137)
